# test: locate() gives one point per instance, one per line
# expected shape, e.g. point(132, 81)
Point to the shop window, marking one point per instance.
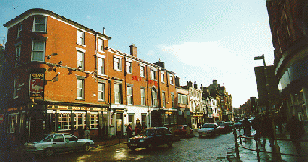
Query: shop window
point(64, 121)
point(93, 120)
point(13, 123)
point(80, 120)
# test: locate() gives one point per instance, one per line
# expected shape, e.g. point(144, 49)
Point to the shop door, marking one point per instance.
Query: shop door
point(119, 124)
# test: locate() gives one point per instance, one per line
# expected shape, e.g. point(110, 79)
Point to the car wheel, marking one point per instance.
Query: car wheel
point(49, 152)
point(86, 147)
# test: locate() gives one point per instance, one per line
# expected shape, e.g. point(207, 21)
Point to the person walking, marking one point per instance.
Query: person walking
point(247, 127)
point(129, 131)
point(87, 133)
point(296, 129)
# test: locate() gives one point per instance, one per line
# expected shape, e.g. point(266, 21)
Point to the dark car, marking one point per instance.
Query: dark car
point(182, 130)
point(208, 129)
point(151, 137)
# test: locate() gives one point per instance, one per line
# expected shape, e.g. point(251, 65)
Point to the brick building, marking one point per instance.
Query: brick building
point(64, 78)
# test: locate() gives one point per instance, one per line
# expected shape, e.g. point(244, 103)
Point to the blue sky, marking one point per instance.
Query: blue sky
point(200, 40)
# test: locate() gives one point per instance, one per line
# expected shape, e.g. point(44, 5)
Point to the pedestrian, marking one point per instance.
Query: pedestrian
point(137, 129)
point(247, 127)
point(267, 130)
point(87, 133)
point(296, 129)
point(129, 131)
point(256, 125)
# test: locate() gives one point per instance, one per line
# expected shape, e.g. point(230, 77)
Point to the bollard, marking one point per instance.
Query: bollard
point(236, 144)
point(257, 149)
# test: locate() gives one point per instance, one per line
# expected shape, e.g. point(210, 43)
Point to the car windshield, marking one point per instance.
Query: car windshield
point(47, 138)
point(150, 132)
point(208, 126)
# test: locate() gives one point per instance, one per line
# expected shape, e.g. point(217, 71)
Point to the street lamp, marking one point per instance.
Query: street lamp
point(275, 147)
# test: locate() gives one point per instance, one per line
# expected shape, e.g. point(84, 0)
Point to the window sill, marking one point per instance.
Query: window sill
point(101, 101)
point(42, 32)
point(83, 45)
point(80, 99)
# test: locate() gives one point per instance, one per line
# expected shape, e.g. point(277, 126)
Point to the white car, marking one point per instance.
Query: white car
point(58, 143)
point(208, 129)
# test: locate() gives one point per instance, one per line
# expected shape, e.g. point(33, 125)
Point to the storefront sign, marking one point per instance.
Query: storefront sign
point(37, 86)
point(137, 78)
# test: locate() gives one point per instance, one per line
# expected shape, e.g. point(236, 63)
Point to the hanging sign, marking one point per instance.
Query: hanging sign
point(36, 86)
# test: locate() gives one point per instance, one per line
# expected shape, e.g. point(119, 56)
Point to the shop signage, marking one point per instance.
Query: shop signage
point(36, 86)
point(137, 78)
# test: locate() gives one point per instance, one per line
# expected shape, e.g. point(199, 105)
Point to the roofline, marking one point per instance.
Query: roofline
point(43, 11)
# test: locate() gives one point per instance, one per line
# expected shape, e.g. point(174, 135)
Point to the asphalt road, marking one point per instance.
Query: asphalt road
point(191, 149)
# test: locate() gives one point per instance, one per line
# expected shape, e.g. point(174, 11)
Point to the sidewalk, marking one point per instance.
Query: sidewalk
point(247, 149)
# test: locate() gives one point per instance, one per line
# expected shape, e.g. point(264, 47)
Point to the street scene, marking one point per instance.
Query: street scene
point(154, 81)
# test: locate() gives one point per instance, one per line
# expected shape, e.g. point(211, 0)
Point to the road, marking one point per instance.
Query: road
point(192, 149)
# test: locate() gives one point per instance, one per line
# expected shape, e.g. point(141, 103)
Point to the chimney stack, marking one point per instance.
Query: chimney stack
point(133, 50)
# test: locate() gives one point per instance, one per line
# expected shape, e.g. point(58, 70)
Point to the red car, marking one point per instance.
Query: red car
point(182, 130)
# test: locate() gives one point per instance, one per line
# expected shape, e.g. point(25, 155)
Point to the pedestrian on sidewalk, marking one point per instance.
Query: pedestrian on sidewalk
point(87, 133)
point(296, 129)
point(247, 127)
point(129, 131)
point(267, 130)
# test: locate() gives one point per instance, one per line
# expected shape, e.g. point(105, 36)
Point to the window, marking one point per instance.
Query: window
point(80, 60)
point(131, 119)
point(171, 78)
point(129, 67)
point(163, 96)
point(117, 93)
point(154, 98)
point(129, 95)
point(64, 121)
point(142, 94)
point(179, 98)
point(117, 63)
point(153, 74)
point(18, 51)
point(80, 120)
point(172, 97)
point(142, 71)
point(38, 51)
point(184, 99)
point(101, 66)
point(80, 89)
point(13, 122)
point(162, 75)
point(100, 45)
point(19, 29)
point(101, 91)
point(58, 138)
point(93, 120)
point(80, 37)
point(16, 88)
point(39, 24)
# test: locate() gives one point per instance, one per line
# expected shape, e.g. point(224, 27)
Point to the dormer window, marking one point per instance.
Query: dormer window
point(39, 24)
point(100, 45)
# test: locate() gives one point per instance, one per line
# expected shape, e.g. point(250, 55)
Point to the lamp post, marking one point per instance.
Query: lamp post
point(275, 148)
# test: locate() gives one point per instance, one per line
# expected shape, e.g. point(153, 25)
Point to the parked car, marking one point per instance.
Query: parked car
point(229, 126)
point(208, 129)
point(151, 137)
point(57, 143)
point(222, 127)
point(182, 130)
point(238, 125)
